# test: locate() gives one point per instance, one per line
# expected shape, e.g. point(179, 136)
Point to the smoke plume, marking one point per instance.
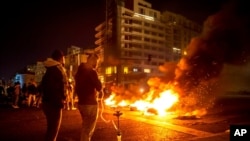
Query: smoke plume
point(224, 40)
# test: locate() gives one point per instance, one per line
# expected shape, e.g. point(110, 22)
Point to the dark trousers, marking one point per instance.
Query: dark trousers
point(54, 117)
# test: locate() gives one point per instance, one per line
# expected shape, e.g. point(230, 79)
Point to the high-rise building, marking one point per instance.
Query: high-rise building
point(179, 32)
point(136, 39)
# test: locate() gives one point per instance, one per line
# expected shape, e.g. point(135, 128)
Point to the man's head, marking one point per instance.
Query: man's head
point(92, 60)
point(58, 56)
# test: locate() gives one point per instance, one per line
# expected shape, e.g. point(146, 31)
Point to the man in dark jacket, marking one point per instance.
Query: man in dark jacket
point(54, 86)
point(86, 86)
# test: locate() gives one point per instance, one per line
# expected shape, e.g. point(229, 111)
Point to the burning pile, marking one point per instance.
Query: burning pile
point(159, 98)
point(189, 86)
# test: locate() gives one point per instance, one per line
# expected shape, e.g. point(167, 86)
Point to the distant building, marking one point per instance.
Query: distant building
point(39, 71)
point(74, 56)
point(25, 75)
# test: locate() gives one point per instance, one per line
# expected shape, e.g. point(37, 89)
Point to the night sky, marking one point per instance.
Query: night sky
point(31, 30)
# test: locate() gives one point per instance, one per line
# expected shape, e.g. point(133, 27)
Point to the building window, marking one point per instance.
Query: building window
point(147, 71)
point(147, 39)
point(161, 42)
point(141, 11)
point(154, 48)
point(110, 70)
point(125, 70)
point(137, 22)
point(151, 13)
point(154, 41)
point(147, 32)
point(126, 29)
point(137, 30)
point(154, 26)
point(135, 70)
point(127, 37)
point(155, 15)
point(161, 35)
point(154, 33)
point(146, 24)
point(136, 38)
point(146, 47)
point(137, 46)
point(154, 63)
point(161, 27)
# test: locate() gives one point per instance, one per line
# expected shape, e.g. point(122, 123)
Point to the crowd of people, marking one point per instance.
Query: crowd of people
point(57, 92)
point(30, 95)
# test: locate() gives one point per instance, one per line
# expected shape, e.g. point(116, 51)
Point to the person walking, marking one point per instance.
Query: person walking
point(54, 88)
point(32, 93)
point(70, 101)
point(86, 86)
point(17, 92)
point(38, 96)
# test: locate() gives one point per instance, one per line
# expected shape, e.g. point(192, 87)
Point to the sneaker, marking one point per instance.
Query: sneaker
point(73, 108)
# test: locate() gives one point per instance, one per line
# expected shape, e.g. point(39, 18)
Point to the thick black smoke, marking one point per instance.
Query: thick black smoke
point(224, 40)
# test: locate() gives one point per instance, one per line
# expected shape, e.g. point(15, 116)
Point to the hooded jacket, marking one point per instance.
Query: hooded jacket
point(87, 83)
point(54, 83)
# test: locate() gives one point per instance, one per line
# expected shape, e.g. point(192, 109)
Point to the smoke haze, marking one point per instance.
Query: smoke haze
point(223, 41)
point(201, 73)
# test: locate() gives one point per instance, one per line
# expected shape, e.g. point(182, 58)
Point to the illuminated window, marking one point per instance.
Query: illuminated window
point(125, 69)
point(110, 70)
point(185, 53)
point(176, 50)
point(135, 69)
point(147, 70)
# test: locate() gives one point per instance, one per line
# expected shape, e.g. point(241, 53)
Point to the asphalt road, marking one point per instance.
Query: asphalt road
point(29, 124)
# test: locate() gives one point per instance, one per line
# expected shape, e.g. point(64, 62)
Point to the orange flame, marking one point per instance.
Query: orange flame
point(161, 104)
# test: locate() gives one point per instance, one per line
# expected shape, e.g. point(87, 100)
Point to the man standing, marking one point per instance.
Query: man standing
point(54, 87)
point(86, 86)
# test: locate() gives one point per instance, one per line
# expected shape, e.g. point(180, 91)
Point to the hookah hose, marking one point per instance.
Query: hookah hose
point(102, 107)
point(107, 121)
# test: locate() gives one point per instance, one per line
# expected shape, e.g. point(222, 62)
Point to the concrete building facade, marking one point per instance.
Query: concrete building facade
point(133, 32)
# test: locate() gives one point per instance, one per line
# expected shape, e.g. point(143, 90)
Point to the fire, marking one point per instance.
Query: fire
point(166, 100)
point(109, 101)
point(112, 103)
point(160, 103)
